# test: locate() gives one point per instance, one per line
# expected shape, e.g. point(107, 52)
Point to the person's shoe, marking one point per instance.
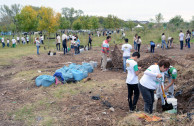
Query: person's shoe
point(124, 72)
point(104, 70)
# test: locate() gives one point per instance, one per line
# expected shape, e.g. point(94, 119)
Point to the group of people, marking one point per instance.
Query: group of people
point(2, 39)
point(152, 80)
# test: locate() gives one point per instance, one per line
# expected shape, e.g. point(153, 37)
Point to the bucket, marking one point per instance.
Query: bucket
point(81, 50)
point(172, 101)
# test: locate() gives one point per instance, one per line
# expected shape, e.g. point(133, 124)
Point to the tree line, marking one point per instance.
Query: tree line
point(30, 18)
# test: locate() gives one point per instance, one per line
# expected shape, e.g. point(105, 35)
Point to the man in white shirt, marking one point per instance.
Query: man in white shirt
point(126, 48)
point(27, 39)
point(58, 42)
point(163, 41)
point(132, 80)
point(181, 39)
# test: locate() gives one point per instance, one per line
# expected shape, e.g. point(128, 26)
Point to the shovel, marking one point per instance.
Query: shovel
point(166, 106)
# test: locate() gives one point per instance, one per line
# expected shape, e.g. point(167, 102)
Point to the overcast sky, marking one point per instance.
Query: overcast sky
point(124, 9)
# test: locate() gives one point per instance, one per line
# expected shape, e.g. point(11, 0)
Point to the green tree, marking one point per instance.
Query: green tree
point(130, 25)
point(109, 23)
point(159, 18)
point(192, 22)
point(27, 19)
point(8, 15)
point(176, 21)
point(77, 25)
point(64, 23)
point(94, 21)
point(71, 14)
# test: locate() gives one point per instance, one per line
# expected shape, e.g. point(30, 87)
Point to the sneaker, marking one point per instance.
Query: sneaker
point(104, 70)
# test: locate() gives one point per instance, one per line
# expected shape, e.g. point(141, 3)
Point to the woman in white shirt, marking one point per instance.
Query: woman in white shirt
point(151, 81)
point(138, 43)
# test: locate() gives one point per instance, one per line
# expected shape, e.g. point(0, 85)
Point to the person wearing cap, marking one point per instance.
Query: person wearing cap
point(126, 48)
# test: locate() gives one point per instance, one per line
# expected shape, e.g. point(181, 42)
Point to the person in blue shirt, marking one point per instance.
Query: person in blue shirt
point(152, 44)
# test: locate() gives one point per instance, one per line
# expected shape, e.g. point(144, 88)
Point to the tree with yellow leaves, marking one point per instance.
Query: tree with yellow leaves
point(48, 20)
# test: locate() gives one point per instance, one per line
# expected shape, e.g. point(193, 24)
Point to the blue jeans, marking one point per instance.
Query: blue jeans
point(76, 49)
point(188, 42)
point(7, 44)
point(38, 49)
point(152, 48)
point(181, 44)
point(3, 44)
point(164, 42)
point(148, 97)
point(135, 45)
point(124, 62)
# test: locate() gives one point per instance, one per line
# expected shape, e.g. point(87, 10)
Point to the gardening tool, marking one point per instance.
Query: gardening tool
point(166, 106)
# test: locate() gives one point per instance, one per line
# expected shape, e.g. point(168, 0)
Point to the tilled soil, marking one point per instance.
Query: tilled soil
point(81, 108)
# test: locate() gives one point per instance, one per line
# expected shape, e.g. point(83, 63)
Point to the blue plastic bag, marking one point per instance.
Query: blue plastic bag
point(88, 67)
point(45, 80)
point(77, 74)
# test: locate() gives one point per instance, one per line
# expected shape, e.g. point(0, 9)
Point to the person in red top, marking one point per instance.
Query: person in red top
point(105, 52)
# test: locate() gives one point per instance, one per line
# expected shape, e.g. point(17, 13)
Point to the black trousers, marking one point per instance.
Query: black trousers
point(138, 47)
point(152, 48)
point(181, 44)
point(89, 45)
point(133, 89)
point(64, 46)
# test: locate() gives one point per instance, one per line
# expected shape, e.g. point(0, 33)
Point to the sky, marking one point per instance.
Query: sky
point(142, 10)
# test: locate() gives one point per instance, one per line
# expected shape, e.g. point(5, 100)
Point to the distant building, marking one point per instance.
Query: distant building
point(141, 22)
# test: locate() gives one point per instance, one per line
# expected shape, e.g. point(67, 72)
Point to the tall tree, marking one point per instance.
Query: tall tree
point(130, 24)
point(176, 21)
point(94, 21)
point(71, 14)
point(64, 23)
point(159, 18)
point(109, 23)
point(27, 19)
point(8, 15)
point(77, 25)
point(48, 20)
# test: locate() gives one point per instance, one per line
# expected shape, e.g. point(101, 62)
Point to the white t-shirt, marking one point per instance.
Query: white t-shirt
point(132, 67)
point(181, 36)
point(18, 38)
point(163, 37)
point(27, 38)
point(149, 79)
point(169, 38)
point(7, 41)
point(126, 49)
point(42, 37)
point(2, 39)
point(139, 41)
point(64, 36)
point(13, 41)
point(58, 39)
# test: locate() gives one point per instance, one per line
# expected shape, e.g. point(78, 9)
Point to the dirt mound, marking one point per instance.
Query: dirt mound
point(190, 57)
point(116, 57)
point(152, 59)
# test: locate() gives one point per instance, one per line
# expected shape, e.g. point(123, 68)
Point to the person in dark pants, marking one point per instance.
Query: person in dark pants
point(64, 39)
point(150, 82)
point(152, 46)
point(138, 43)
point(181, 39)
point(90, 42)
point(132, 80)
point(78, 44)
